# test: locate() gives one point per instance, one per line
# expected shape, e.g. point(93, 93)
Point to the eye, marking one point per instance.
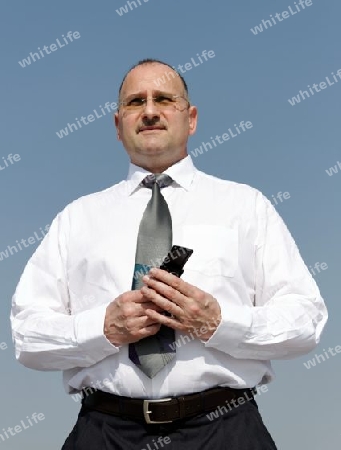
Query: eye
point(137, 101)
point(164, 99)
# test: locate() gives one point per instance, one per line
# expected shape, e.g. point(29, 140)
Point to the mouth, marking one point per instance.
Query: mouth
point(151, 128)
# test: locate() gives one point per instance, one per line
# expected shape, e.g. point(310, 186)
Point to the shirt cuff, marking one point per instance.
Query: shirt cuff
point(89, 328)
point(232, 330)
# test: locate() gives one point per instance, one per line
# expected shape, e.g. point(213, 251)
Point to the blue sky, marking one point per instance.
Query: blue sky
point(250, 78)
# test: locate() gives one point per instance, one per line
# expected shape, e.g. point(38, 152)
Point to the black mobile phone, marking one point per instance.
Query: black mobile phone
point(176, 259)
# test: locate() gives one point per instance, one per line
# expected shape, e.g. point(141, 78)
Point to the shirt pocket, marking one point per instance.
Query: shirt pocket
point(215, 249)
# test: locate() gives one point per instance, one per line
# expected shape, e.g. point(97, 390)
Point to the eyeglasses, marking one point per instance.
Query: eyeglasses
point(164, 102)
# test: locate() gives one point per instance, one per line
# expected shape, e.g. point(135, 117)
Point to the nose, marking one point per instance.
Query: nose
point(150, 109)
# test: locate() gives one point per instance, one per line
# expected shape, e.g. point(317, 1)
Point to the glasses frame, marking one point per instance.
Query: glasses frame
point(145, 99)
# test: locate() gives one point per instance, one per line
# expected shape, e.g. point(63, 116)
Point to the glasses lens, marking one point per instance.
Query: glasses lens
point(181, 104)
point(165, 102)
point(162, 102)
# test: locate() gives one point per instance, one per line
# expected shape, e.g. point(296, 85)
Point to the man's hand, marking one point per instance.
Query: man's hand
point(192, 309)
point(126, 320)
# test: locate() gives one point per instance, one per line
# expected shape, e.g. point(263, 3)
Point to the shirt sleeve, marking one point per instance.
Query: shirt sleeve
point(288, 315)
point(46, 336)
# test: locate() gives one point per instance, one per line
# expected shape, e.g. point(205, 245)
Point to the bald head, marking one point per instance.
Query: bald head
point(169, 73)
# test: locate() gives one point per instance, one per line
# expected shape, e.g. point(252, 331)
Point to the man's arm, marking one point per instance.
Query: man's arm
point(288, 315)
point(45, 335)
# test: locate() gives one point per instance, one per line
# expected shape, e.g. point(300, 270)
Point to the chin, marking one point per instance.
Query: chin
point(150, 149)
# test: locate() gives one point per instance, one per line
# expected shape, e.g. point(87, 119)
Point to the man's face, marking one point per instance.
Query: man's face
point(155, 138)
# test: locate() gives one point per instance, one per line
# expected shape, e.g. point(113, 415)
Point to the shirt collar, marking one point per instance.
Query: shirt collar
point(181, 172)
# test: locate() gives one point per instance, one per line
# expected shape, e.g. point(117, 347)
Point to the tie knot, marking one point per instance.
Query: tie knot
point(162, 179)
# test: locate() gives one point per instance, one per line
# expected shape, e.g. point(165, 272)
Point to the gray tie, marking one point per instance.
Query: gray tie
point(154, 241)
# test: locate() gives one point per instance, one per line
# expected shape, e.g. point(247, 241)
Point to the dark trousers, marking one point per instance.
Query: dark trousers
point(241, 428)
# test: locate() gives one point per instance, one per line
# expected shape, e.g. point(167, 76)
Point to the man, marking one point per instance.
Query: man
point(245, 297)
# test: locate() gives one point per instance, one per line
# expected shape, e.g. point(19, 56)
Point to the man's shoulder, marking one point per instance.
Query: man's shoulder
point(221, 184)
point(102, 198)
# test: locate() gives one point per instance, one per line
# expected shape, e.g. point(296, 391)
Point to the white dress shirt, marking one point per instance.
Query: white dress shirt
point(243, 255)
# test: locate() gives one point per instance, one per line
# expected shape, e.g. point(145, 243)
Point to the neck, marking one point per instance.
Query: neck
point(156, 167)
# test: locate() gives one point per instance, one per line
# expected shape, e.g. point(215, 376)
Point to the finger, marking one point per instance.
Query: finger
point(164, 303)
point(175, 282)
point(171, 322)
point(140, 298)
point(149, 330)
point(135, 324)
point(165, 290)
point(148, 305)
point(138, 333)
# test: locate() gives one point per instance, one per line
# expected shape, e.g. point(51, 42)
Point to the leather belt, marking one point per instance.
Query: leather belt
point(163, 410)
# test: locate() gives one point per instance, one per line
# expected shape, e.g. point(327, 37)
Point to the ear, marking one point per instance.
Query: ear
point(117, 123)
point(192, 119)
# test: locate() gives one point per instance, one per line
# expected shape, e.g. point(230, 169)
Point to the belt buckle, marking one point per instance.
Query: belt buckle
point(146, 411)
